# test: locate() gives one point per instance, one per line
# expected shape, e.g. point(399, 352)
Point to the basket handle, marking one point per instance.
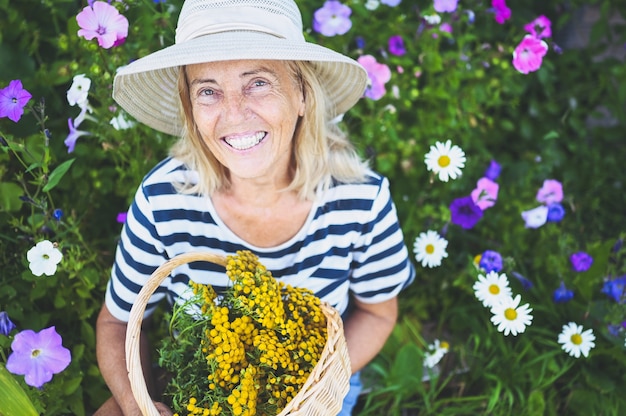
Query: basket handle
point(133, 330)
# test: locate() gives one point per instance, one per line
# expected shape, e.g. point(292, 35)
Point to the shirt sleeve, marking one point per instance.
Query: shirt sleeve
point(138, 254)
point(381, 262)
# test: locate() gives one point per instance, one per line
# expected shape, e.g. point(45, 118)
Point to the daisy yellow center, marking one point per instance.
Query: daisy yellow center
point(444, 344)
point(510, 314)
point(430, 249)
point(494, 289)
point(444, 160)
point(576, 339)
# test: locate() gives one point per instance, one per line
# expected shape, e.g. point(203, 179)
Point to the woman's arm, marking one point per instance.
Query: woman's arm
point(111, 354)
point(367, 328)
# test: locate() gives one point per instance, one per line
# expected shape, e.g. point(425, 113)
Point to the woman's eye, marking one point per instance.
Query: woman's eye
point(206, 92)
point(260, 83)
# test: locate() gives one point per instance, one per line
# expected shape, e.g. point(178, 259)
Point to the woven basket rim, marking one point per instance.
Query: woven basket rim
point(332, 370)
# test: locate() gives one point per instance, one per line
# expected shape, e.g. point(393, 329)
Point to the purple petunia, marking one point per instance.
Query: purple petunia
point(38, 356)
point(74, 134)
point(396, 45)
point(121, 217)
point(13, 99)
point(562, 294)
point(491, 261)
point(6, 325)
point(104, 22)
point(581, 261)
point(332, 19)
point(465, 212)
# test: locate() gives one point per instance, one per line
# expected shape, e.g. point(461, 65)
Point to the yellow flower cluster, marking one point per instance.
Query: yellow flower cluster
point(260, 341)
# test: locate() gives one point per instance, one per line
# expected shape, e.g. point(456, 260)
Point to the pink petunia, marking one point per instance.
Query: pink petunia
point(551, 192)
point(378, 74)
point(104, 22)
point(502, 12)
point(486, 193)
point(540, 27)
point(528, 55)
point(443, 6)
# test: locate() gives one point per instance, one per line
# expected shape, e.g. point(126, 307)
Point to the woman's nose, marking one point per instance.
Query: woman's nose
point(235, 107)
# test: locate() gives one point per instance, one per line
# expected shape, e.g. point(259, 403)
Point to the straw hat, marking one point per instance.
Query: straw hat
point(222, 30)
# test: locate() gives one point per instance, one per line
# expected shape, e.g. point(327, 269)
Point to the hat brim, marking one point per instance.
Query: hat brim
point(148, 87)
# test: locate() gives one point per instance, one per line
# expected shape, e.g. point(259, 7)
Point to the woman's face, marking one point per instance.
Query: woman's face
point(246, 112)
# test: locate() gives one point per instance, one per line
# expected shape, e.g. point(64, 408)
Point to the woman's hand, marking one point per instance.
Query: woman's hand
point(163, 409)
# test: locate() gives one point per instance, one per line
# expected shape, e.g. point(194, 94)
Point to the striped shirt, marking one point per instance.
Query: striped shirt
point(350, 244)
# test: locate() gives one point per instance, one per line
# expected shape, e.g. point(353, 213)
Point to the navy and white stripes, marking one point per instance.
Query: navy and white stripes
point(350, 244)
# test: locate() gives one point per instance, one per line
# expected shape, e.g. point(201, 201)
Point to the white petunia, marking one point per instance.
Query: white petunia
point(511, 318)
point(435, 353)
point(536, 217)
point(575, 341)
point(120, 122)
point(43, 258)
point(492, 288)
point(445, 160)
point(78, 92)
point(432, 19)
point(430, 248)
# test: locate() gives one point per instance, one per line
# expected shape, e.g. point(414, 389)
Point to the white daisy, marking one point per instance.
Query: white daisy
point(435, 353)
point(43, 258)
point(430, 248)
point(445, 160)
point(510, 317)
point(576, 341)
point(492, 288)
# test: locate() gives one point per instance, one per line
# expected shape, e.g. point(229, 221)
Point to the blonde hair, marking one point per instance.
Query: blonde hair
point(322, 151)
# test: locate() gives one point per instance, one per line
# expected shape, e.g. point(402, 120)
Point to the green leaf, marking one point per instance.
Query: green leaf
point(13, 399)
point(10, 197)
point(57, 174)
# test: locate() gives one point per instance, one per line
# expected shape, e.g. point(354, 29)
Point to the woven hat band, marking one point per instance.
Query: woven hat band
point(227, 19)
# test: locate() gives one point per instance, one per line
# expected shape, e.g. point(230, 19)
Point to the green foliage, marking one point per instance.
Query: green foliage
point(563, 122)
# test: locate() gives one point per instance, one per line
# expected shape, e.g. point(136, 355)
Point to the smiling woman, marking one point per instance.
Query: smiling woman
point(259, 166)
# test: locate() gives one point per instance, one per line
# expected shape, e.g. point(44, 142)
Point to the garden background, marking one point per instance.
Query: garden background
point(451, 77)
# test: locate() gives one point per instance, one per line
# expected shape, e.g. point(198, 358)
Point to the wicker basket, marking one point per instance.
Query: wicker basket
point(321, 395)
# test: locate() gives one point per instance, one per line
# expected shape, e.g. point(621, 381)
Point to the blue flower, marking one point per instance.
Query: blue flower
point(490, 261)
point(562, 294)
point(493, 170)
point(526, 284)
point(556, 212)
point(6, 325)
point(615, 288)
point(57, 214)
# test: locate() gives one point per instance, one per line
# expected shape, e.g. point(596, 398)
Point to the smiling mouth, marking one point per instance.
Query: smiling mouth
point(245, 142)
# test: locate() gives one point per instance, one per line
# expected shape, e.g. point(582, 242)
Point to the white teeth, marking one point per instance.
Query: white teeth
point(245, 142)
